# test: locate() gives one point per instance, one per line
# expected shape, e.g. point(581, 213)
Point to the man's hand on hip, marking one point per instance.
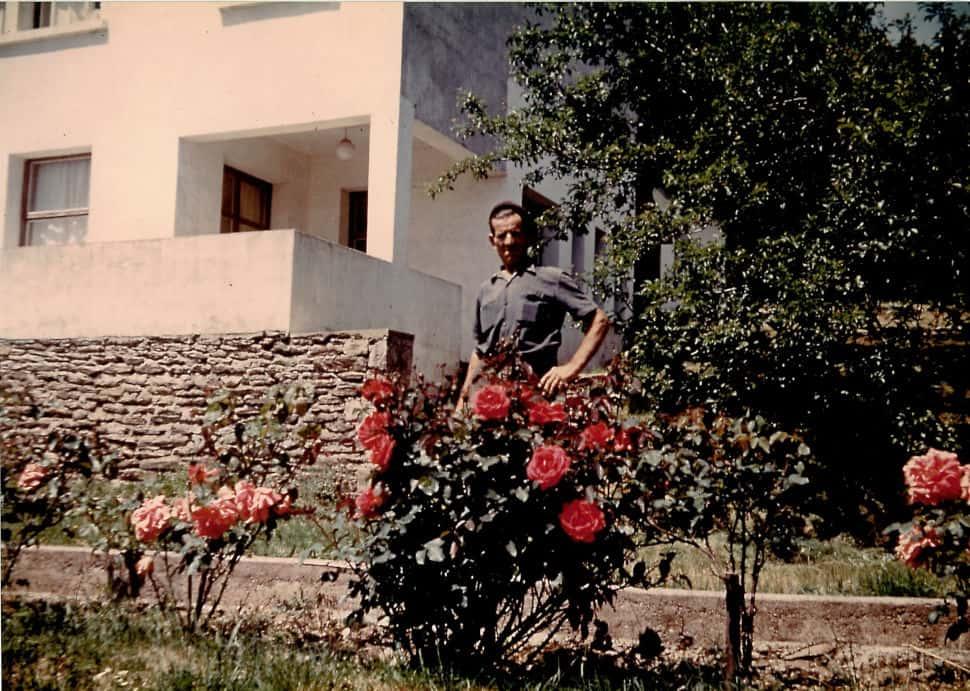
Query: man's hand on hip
point(554, 379)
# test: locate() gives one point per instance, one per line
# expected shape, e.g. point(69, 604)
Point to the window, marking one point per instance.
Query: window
point(56, 200)
point(535, 205)
point(246, 202)
point(27, 16)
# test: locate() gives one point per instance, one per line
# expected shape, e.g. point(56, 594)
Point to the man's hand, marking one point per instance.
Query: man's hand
point(556, 377)
point(596, 325)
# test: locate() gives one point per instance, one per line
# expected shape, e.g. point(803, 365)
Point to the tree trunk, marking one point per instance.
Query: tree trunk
point(734, 603)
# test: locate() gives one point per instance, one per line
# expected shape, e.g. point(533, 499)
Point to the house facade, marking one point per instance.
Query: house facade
point(219, 168)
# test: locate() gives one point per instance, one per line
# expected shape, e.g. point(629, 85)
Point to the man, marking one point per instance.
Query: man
point(530, 304)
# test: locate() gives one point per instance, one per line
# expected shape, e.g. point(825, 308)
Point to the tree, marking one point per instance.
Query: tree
point(834, 162)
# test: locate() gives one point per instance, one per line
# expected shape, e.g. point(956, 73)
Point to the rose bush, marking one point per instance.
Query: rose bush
point(237, 493)
point(42, 476)
point(938, 536)
point(738, 477)
point(515, 518)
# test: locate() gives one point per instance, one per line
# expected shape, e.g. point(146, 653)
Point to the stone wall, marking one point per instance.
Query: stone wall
point(145, 396)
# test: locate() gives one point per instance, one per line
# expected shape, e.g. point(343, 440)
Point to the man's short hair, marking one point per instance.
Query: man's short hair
point(507, 208)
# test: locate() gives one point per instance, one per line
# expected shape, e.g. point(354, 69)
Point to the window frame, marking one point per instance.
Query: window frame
point(26, 215)
point(13, 12)
point(235, 217)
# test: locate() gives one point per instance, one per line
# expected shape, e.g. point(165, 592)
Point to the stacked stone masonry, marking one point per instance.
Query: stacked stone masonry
point(145, 397)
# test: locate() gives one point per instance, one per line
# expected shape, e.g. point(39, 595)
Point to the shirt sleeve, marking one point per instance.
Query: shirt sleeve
point(477, 327)
point(577, 301)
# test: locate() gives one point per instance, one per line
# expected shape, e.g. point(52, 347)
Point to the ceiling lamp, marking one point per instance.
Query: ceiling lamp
point(345, 148)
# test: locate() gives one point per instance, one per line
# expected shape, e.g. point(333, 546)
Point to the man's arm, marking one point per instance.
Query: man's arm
point(474, 365)
point(597, 325)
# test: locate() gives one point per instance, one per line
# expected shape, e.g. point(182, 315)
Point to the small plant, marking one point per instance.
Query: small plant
point(42, 478)
point(737, 478)
point(187, 546)
point(484, 530)
point(938, 537)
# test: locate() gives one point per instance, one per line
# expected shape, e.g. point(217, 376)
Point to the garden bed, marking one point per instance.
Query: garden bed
point(683, 618)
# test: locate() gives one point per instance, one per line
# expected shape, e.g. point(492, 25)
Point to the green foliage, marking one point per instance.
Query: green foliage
point(740, 479)
point(833, 163)
point(470, 555)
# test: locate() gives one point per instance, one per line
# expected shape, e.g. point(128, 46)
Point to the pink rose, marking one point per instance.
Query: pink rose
point(254, 503)
point(145, 566)
point(182, 508)
point(32, 477)
point(368, 502)
point(595, 436)
point(214, 519)
point(491, 402)
point(199, 474)
point(377, 391)
point(911, 545)
point(582, 520)
point(542, 413)
point(934, 477)
point(381, 451)
point(372, 429)
point(547, 466)
point(965, 483)
point(151, 519)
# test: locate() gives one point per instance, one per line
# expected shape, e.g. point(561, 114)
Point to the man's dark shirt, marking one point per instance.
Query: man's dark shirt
point(531, 304)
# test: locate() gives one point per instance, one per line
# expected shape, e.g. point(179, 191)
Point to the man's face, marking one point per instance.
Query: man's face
point(510, 241)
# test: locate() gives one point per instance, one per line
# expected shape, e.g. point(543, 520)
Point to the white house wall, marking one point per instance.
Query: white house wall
point(162, 72)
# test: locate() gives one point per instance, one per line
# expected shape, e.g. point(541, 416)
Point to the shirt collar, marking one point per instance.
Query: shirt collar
point(530, 269)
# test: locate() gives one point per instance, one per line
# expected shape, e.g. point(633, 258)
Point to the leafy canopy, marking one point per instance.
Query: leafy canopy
point(833, 161)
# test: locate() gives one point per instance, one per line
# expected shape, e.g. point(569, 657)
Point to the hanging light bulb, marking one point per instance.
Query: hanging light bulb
point(345, 148)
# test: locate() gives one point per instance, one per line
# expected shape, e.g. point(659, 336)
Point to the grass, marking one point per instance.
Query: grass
point(830, 567)
point(62, 646)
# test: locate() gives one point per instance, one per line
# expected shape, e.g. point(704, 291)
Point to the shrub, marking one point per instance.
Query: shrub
point(938, 537)
point(42, 478)
point(741, 478)
point(243, 485)
point(515, 518)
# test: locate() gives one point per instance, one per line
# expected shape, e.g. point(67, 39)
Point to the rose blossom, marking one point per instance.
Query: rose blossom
point(199, 474)
point(933, 477)
point(595, 436)
point(372, 429)
point(254, 503)
point(377, 391)
point(582, 520)
point(380, 454)
point(32, 477)
point(491, 402)
point(145, 566)
point(368, 502)
point(214, 519)
point(182, 508)
point(911, 544)
point(547, 466)
point(542, 413)
point(150, 519)
point(965, 483)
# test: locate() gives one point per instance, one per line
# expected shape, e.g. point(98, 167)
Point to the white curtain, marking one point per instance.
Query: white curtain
point(59, 185)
